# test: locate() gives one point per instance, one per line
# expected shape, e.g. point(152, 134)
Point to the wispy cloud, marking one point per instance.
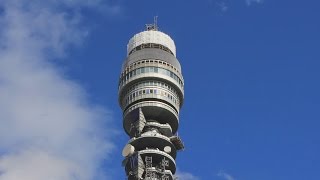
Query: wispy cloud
point(185, 176)
point(220, 6)
point(225, 176)
point(49, 129)
point(250, 2)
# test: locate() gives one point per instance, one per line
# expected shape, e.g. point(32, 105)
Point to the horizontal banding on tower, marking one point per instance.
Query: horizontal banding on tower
point(150, 94)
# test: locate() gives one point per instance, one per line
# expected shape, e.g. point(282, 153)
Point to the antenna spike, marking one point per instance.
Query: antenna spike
point(155, 19)
point(154, 26)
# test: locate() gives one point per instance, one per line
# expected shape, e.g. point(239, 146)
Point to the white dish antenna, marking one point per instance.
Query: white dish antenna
point(128, 150)
point(167, 149)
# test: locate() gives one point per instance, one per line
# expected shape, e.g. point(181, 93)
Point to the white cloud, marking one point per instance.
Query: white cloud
point(49, 129)
point(222, 6)
point(249, 2)
point(186, 176)
point(225, 176)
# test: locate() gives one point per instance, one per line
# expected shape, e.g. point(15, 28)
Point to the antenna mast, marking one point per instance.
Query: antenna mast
point(154, 26)
point(155, 22)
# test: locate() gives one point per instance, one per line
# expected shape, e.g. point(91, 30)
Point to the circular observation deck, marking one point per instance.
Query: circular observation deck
point(154, 78)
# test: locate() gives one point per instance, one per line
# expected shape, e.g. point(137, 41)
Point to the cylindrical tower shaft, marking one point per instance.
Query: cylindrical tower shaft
point(151, 94)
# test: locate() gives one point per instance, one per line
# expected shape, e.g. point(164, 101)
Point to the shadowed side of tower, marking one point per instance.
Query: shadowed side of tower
point(151, 94)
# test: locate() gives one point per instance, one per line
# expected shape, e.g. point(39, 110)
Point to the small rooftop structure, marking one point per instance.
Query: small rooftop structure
point(154, 26)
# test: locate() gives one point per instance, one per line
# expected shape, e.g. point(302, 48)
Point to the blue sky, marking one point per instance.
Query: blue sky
point(251, 70)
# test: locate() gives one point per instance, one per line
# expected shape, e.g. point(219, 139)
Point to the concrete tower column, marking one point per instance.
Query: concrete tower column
point(151, 94)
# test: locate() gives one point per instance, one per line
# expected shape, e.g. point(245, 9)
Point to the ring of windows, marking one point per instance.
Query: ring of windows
point(150, 45)
point(158, 84)
point(151, 62)
point(149, 69)
point(151, 91)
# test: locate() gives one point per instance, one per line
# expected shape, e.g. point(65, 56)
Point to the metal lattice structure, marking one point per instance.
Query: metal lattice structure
point(151, 93)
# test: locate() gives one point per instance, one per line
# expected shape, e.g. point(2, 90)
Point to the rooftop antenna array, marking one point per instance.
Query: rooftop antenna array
point(154, 26)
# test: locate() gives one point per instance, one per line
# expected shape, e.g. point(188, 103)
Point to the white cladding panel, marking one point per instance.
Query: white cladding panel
point(156, 37)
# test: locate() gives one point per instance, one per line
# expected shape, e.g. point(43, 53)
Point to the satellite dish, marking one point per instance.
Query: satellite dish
point(167, 149)
point(127, 150)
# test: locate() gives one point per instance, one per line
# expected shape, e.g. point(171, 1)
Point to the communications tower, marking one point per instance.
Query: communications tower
point(151, 95)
